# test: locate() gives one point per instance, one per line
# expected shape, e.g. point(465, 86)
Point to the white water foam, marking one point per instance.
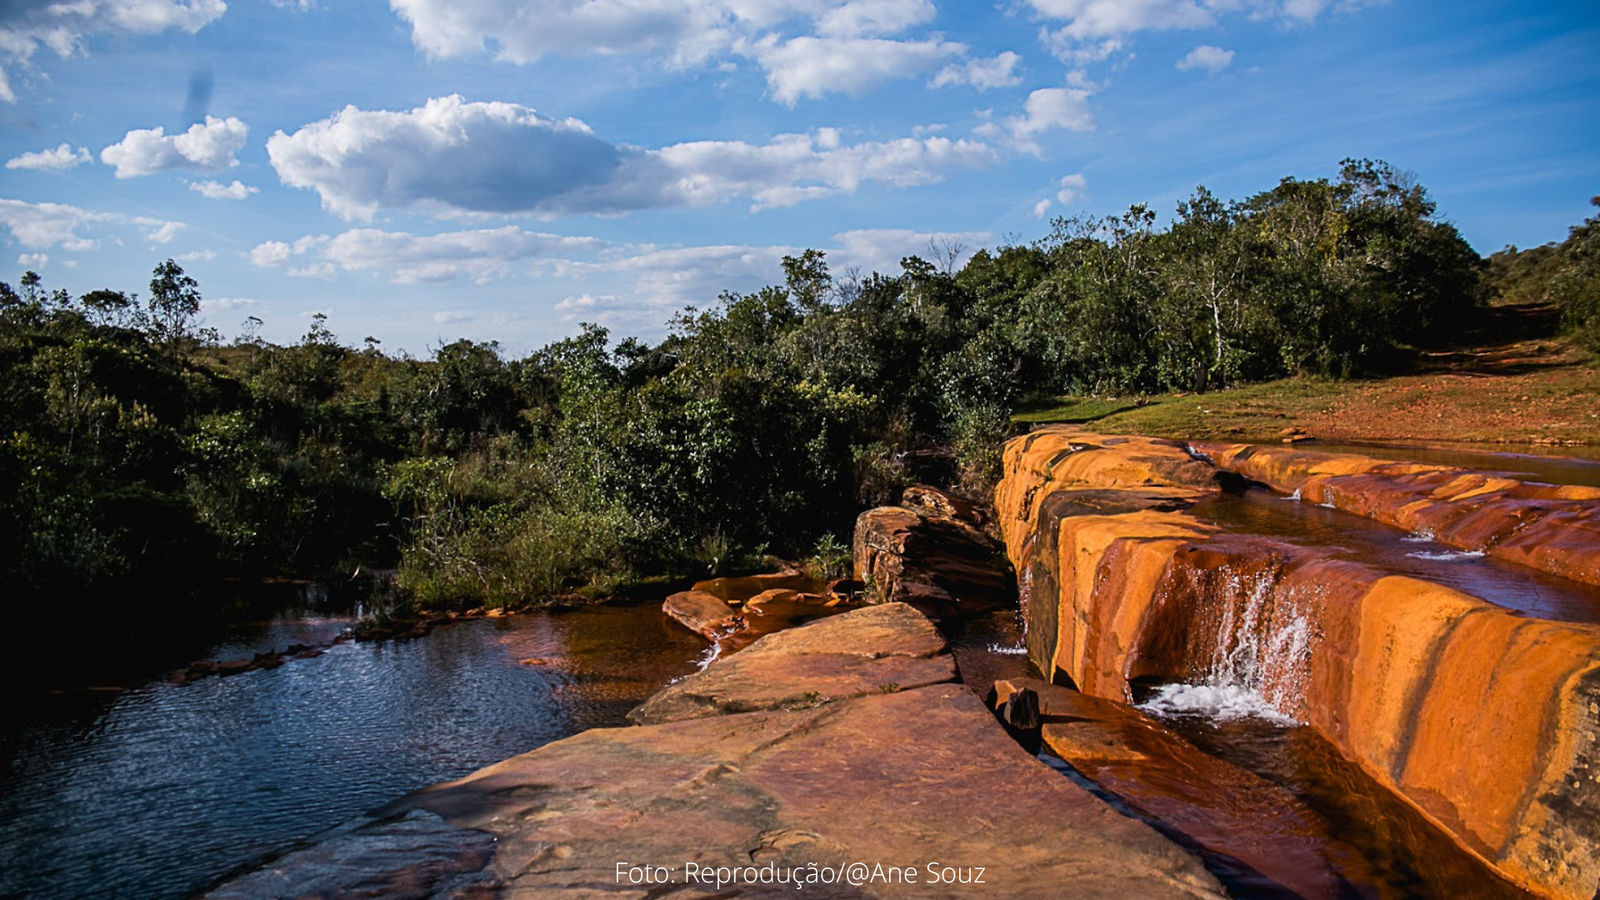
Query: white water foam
point(1261, 660)
point(1420, 536)
point(1220, 702)
point(997, 647)
point(706, 658)
point(1294, 496)
point(1446, 555)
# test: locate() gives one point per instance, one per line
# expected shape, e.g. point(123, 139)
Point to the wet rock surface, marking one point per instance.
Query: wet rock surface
point(880, 649)
point(1555, 528)
point(918, 788)
point(1485, 721)
point(930, 554)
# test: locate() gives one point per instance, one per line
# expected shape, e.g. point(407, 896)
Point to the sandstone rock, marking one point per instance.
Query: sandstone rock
point(879, 649)
point(1485, 721)
point(741, 588)
point(904, 779)
point(700, 612)
point(943, 567)
point(1551, 527)
point(936, 504)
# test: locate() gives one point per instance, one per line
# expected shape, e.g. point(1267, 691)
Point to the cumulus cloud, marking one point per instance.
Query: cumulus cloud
point(407, 258)
point(1090, 19)
point(520, 31)
point(814, 66)
point(64, 27)
point(1097, 29)
point(982, 73)
point(210, 145)
point(1040, 208)
point(794, 168)
point(453, 158)
point(62, 157)
point(1205, 56)
point(1071, 188)
point(43, 226)
point(869, 17)
point(216, 190)
point(1049, 108)
point(449, 155)
point(806, 47)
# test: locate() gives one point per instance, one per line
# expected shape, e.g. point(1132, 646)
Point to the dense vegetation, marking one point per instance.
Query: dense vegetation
point(138, 454)
point(1566, 274)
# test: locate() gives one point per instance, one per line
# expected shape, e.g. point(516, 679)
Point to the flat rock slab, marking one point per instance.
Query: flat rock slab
point(880, 649)
point(893, 782)
point(700, 612)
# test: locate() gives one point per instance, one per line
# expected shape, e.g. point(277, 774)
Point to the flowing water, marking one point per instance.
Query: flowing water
point(1223, 767)
point(158, 790)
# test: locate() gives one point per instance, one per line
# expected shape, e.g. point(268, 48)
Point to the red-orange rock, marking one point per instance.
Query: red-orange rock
point(1551, 527)
point(1486, 721)
point(941, 566)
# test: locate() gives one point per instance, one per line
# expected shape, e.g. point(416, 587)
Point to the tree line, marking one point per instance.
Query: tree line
point(141, 456)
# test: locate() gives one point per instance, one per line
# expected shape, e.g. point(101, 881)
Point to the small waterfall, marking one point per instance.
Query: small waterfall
point(1261, 656)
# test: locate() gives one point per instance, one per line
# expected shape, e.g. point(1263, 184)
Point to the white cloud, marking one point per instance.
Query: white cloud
point(982, 73)
point(41, 226)
point(33, 260)
point(222, 304)
point(407, 258)
point(454, 158)
point(65, 25)
point(62, 157)
point(814, 66)
point(207, 146)
point(216, 190)
point(1040, 208)
point(1072, 188)
point(844, 49)
point(450, 156)
point(1049, 108)
point(522, 31)
point(198, 256)
point(1205, 56)
point(157, 231)
point(794, 168)
point(1091, 19)
point(870, 17)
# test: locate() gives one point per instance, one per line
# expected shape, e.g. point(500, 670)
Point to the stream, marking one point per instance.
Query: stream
point(157, 791)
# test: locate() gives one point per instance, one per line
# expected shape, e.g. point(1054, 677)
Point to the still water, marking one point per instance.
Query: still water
point(157, 791)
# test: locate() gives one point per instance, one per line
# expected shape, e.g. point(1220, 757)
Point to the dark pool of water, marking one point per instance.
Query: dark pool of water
point(1349, 536)
point(156, 791)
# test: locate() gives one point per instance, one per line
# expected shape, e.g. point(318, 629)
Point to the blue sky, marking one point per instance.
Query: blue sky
point(426, 170)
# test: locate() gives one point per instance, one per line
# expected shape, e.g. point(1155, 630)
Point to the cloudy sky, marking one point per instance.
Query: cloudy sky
point(425, 170)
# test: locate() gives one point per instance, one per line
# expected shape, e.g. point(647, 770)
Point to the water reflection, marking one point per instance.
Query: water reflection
point(156, 791)
point(1353, 537)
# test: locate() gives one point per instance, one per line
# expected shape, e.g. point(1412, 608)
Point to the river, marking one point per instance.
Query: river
point(157, 790)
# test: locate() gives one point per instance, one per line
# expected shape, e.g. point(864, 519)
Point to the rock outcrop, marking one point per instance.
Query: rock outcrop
point(735, 612)
point(881, 649)
point(1486, 721)
point(1551, 527)
point(931, 554)
point(907, 793)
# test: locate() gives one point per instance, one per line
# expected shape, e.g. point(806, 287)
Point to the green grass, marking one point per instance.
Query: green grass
point(1254, 412)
